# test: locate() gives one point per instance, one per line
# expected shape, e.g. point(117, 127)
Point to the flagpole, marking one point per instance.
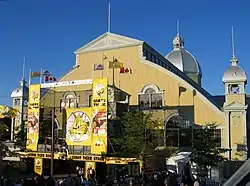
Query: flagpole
point(102, 64)
point(41, 76)
point(92, 71)
point(23, 75)
point(30, 77)
point(108, 70)
point(109, 18)
point(113, 70)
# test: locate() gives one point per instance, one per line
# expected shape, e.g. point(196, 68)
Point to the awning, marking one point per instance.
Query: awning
point(7, 112)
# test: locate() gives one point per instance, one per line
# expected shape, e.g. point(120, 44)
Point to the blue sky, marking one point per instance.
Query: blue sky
point(47, 32)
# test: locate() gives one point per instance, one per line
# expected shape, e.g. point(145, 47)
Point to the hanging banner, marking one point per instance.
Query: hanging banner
point(33, 117)
point(99, 111)
point(90, 168)
point(78, 127)
point(38, 166)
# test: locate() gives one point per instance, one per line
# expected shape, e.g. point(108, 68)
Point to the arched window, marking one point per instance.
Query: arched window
point(150, 98)
point(179, 132)
point(69, 100)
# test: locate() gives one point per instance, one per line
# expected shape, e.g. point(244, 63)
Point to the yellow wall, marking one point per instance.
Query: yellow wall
point(236, 97)
point(193, 105)
point(144, 73)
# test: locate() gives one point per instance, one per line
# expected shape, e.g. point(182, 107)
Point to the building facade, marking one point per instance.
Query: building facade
point(169, 87)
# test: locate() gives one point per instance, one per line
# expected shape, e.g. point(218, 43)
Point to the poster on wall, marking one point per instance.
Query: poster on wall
point(78, 127)
point(99, 116)
point(33, 117)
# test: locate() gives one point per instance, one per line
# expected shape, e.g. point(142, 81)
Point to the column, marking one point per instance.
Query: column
point(227, 130)
point(12, 129)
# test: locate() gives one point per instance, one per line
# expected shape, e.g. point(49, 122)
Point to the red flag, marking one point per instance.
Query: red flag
point(49, 78)
point(124, 70)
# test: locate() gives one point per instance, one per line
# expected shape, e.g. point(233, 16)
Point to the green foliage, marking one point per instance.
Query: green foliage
point(206, 147)
point(19, 142)
point(3, 147)
point(138, 135)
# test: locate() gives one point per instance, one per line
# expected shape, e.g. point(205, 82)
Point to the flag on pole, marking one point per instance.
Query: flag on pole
point(35, 74)
point(115, 64)
point(124, 70)
point(48, 77)
point(98, 67)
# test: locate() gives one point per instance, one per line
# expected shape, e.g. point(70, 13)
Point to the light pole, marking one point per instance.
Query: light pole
point(52, 142)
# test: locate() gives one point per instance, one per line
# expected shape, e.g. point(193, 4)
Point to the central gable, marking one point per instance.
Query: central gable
point(108, 41)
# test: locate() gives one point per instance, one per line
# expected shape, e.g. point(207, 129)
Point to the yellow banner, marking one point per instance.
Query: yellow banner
point(90, 168)
point(78, 127)
point(38, 166)
point(99, 111)
point(33, 117)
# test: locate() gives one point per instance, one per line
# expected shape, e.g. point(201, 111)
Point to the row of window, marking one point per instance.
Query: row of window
point(150, 101)
point(184, 137)
point(162, 62)
point(151, 57)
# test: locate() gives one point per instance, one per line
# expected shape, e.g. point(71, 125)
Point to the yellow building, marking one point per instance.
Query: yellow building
point(170, 87)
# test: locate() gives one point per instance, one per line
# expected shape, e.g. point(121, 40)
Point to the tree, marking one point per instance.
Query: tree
point(19, 142)
point(139, 134)
point(206, 150)
point(3, 148)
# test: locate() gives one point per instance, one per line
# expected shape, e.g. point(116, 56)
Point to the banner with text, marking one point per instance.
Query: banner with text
point(38, 166)
point(78, 127)
point(33, 117)
point(99, 114)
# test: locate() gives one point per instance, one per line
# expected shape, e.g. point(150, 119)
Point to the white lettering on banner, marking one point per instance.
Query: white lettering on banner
point(67, 83)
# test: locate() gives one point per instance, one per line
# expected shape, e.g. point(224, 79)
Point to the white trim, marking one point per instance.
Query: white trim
point(211, 105)
point(67, 83)
point(125, 42)
point(152, 86)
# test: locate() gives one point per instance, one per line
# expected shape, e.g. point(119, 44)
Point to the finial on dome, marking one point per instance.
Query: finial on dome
point(234, 59)
point(177, 27)
point(178, 41)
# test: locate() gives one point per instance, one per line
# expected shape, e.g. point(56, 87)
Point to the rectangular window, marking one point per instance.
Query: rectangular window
point(156, 101)
point(150, 101)
point(86, 149)
point(17, 102)
point(90, 100)
point(153, 58)
point(144, 103)
point(148, 56)
point(157, 61)
point(217, 135)
point(172, 137)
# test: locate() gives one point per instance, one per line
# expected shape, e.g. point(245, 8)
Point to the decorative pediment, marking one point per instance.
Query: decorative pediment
point(235, 105)
point(108, 41)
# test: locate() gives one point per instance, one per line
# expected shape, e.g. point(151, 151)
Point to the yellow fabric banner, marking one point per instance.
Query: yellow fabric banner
point(78, 127)
point(38, 166)
point(90, 168)
point(99, 114)
point(33, 117)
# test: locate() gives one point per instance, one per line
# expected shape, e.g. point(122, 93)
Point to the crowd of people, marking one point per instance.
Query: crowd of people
point(49, 181)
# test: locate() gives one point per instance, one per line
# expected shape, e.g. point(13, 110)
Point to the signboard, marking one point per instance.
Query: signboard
point(78, 127)
point(66, 83)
